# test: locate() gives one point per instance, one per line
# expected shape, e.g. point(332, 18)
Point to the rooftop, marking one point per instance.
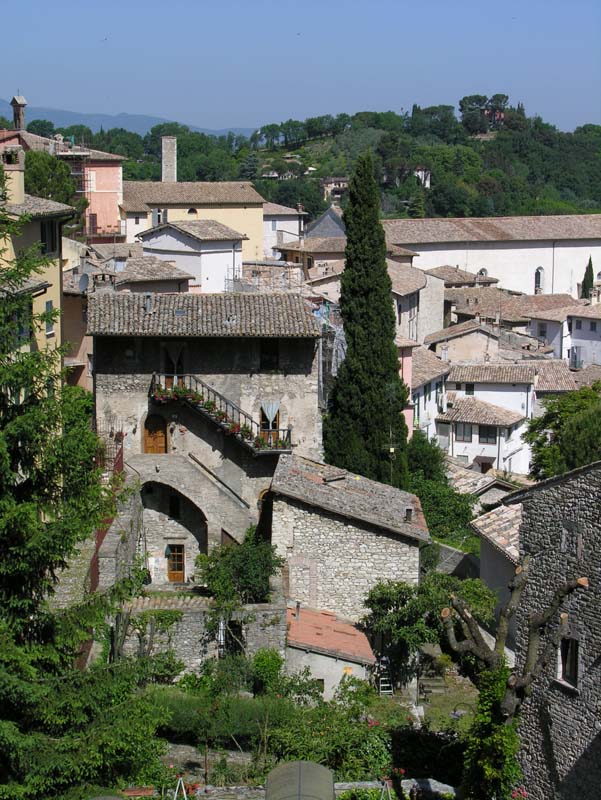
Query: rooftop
point(490, 302)
point(501, 527)
point(468, 481)
point(426, 366)
point(404, 278)
point(323, 632)
point(276, 210)
point(201, 315)
point(461, 329)
point(492, 373)
point(587, 376)
point(348, 495)
point(492, 229)
point(143, 195)
point(554, 375)
point(37, 207)
point(117, 250)
point(477, 412)
point(574, 309)
point(205, 230)
point(317, 244)
point(142, 269)
point(31, 141)
point(453, 276)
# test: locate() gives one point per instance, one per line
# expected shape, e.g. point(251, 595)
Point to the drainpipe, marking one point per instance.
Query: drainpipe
point(499, 449)
point(553, 268)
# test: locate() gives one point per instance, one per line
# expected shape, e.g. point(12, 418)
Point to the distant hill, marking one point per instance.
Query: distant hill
point(137, 123)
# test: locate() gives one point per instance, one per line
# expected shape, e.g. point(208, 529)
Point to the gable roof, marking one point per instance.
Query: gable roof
point(477, 412)
point(276, 210)
point(587, 376)
point(404, 278)
point(347, 495)
point(200, 315)
point(460, 329)
point(32, 141)
point(573, 310)
point(39, 207)
point(501, 527)
point(492, 229)
point(490, 302)
point(492, 373)
point(468, 481)
point(316, 244)
point(117, 250)
point(144, 195)
point(554, 375)
point(323, 632)
point(524, 494)
point(330, 223)
point(204, 230)
point(453, 276)
point(146, 269)
point(426, 366)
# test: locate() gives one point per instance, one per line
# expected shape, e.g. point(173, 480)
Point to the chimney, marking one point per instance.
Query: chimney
point(18, 103)
point(444, 352)
point(169, 159)
point(13, 162)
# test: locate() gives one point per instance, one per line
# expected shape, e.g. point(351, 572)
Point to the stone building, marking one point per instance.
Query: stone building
point(341, 534)
point(561, 720)
point(207, 391)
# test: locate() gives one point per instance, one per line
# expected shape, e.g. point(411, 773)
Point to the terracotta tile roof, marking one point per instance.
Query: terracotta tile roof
point(404, 278)
point(275, 210)
point(323, 632)
point(492, 373)
point(461, 329)
point(402, 341)
point(501, 527)
point(334, 268)
point(477, 412)
point(201, 315)
point(29, 286)
point(348, 495)
point(426, 366)
point(117, 250)
point(205, 230)
point(554, 375)
point(492, 229)
point(150, 268)
point(37, 207)
point(317, 244)
point(31, 141)
point(453, 276)
point(489, 301)
point(561, 314)
point(469, 481)
point(395, 250)
point(143, 195)
point(587, 376)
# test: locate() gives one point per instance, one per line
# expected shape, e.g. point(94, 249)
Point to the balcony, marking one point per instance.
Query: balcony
point(220, 411)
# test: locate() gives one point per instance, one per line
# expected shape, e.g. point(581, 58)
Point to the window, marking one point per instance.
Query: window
point(593, 327)
point(90, 364)
point(568, 666)
point(192, 211)
point(487, 434)
point(415, 399)
point(542, 330)
point(274, 224)
point(136, 220)
point(539, 280)
point(458, 386)
point(469, 388)
point(463, 432)
point(428, 391)
point(49, 321)
point(482, 273)
point(270, 354)
point(578, 325)
point(269, 427)
point(49, 238)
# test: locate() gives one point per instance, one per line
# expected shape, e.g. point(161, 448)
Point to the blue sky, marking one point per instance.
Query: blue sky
point(244, 63)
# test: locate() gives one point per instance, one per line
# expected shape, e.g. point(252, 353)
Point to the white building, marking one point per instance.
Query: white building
point(206, 249)
point(487, 406)
point(428, 376)
point(546, 255)
point(281, 224)
point(574, 333)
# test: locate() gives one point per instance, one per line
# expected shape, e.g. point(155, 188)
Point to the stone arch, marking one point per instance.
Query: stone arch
point(539, 280)
point(175, 532)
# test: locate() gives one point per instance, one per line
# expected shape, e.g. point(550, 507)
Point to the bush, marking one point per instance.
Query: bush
point(266, 669)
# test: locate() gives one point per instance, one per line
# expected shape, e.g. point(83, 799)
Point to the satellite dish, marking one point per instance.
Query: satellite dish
point(84, 282)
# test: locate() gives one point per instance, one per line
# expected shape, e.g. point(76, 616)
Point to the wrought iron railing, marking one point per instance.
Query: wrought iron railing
point(207, 401)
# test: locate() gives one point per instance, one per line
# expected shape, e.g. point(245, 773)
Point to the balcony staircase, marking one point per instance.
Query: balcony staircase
point(220, 411)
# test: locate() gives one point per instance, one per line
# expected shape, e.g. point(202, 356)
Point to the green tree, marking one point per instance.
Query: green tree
point(417, 204)
point(588, 281)
point(49, 177)
point(556, 440)
point(365, 431)
point(42, 127)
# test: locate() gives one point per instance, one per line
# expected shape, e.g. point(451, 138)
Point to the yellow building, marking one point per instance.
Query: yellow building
point(236, 204)
point(43, 226)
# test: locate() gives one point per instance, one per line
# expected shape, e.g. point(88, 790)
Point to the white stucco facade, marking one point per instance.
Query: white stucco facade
point(508, 452)
point(280, 229)
point(515, 263)
point(576, 340)
point(212, 263)
point(426, 404)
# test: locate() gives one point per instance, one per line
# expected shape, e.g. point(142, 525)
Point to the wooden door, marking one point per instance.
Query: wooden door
point(176, 563)
point(269, 430)
point(155, 434)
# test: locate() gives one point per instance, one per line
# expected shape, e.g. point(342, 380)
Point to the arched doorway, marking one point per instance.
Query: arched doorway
point(155, 434)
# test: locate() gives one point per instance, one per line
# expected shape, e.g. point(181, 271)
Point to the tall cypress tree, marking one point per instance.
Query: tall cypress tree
point(365, 431)
point(589, 279)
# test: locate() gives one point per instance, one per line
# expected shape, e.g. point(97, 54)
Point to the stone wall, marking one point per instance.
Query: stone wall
point(333, 562)
point(117, 553)
point(263, 625)
point(560, 725)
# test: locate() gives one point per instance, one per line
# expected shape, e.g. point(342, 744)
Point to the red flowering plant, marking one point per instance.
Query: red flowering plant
point(519, 793)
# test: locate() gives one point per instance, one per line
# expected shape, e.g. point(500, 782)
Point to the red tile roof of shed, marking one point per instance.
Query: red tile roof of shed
point(323, 632)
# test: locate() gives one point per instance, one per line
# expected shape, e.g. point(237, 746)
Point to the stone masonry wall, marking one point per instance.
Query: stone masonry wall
point(560, 725)
point(263, 624)
point(117, 553)
point(332, 563)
